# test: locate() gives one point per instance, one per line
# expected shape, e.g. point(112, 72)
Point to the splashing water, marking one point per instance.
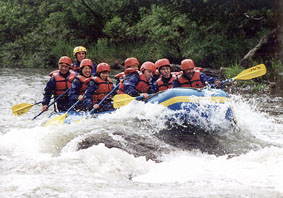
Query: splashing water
point(128, 156)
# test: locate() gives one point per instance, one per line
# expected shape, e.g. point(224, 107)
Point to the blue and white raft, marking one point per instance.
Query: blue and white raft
point(203, 108)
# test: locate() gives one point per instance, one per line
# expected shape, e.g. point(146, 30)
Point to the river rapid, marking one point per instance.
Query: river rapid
point(132, 153)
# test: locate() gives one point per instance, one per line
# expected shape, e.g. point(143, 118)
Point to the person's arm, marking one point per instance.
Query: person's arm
point(211, 80)
point(176, 83)
point(49, 91)
point(74, 91)
point(130, 85)
point(153, 88)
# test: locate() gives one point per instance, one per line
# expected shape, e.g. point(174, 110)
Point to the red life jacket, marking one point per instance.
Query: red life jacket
point(194, 82)
point(143, 85)
point(162, 86)
point(62, 84)
point(53, 72)
point(104, 87)
point(84, 82)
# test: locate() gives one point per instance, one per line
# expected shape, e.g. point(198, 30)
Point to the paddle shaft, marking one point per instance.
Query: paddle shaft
point(111, 92)
point(60, 96)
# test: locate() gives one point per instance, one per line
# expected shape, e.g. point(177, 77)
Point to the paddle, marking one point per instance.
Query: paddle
point(124, 99)
point(247, 74)
point(60, 96)
point(105, 97)
point(250, 73)
point(61, 118)
point(22, 108)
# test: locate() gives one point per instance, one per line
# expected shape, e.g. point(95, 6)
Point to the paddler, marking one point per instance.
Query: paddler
point(80, 53)
point(140, 83)
point(166, 79)
point(58, 84)
point(79, 86)
point(192, 77)
point(100, 86)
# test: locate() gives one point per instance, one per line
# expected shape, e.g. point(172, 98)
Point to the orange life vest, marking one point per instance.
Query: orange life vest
point(194, 82)
point(162, 86)
point(143, 85)
point(53, 72)
point(104, 87)
point(84, 82)
point(62, 84)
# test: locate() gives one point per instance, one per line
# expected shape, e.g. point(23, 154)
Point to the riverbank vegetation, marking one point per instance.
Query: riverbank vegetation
point(214, 33)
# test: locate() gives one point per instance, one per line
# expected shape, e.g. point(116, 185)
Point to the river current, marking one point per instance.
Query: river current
point(131, 153)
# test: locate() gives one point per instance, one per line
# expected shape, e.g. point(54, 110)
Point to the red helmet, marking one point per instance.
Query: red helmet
point(131, 62)
point(148, 66)
point(86, 62)
point(65, 59)
point(187, 64)
point(101, 67)
point(162, 62)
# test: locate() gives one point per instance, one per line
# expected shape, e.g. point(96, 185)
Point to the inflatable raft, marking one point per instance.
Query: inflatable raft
point(203, 108)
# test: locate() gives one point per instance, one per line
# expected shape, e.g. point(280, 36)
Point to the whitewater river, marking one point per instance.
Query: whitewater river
point(131, 153)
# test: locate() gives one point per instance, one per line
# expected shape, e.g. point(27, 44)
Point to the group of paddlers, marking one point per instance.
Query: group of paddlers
point(85, 84)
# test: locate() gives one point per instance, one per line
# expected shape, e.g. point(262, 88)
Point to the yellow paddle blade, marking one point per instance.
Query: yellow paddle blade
point(253, 72)
point(122, 100)
point(22, 108)
point(56, 120)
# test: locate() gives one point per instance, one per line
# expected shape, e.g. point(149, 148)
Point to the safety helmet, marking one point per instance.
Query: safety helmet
point(79, 49)
point(162, 62)
point(101, 67)
point(187, 64)
point(65, 59)
point(131, 62)
point(86, 62)
point(148, 66)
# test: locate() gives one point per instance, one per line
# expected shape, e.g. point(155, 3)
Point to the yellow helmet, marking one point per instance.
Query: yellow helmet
point(79, 49)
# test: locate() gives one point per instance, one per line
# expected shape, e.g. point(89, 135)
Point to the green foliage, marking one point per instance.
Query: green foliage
point(232, 71)
point(212, 32)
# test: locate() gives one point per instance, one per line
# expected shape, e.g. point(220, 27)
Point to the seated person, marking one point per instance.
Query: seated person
point(100, 86)
point(140, 83)
point(166, 79)
point(79, 86)
point(58, 84)
point(191, 77)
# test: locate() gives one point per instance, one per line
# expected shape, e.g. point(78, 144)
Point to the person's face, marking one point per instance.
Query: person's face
point(86, 71)
point(148, 74)
point(80, 56)
point(104, 75)
point(189, 72)
point(165, 71)
point(134, 67)
point(63, 68)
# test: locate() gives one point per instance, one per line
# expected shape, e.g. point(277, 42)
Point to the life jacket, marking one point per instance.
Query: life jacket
point(62, 84)
point(84, 82)
point(143, 85)
point(194, 82)
point(104, 87)
point(163, 86)
point(53, 72)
